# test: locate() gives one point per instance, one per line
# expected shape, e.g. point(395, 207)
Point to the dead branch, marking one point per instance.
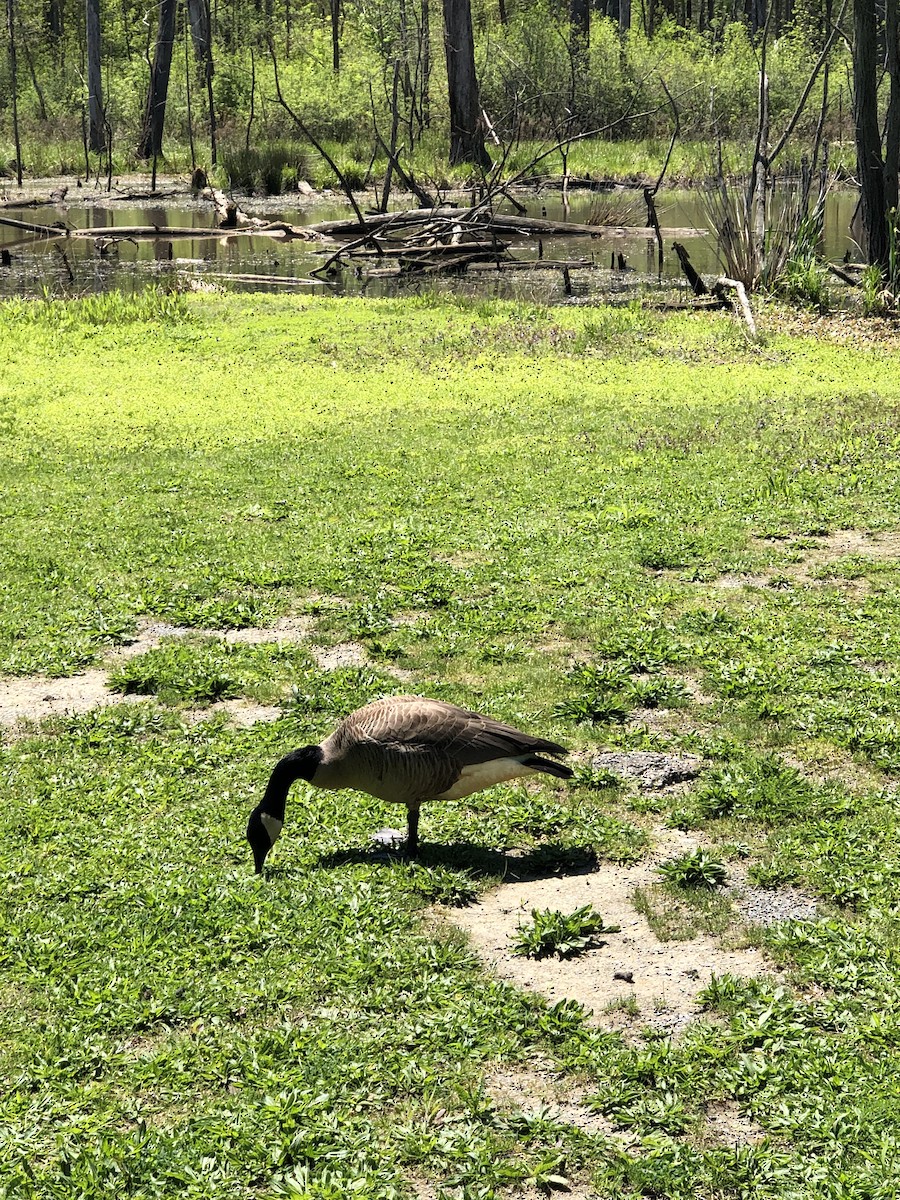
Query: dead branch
point(743, 303)
point(842, 275)
point(479, 218)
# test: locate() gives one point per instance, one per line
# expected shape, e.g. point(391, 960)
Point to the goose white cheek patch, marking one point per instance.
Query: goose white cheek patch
point(272, 826)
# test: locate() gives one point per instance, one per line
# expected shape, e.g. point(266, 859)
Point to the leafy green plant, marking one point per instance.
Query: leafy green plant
point(695, 870)
point(563, 934)
point(877, 300)
point(608, 693)
point(441, 885)
point(179, 672)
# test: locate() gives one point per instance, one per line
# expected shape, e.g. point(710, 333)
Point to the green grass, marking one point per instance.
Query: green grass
point(481, 494)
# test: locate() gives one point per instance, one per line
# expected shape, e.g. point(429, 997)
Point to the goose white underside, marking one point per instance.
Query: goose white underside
point(485, 775)
point(272, 826)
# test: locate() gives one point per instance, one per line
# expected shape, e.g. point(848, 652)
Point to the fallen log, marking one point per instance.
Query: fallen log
point(842, 275)
point(46, 231)
point(538, 264)
point(504, 264)
point(233, 277)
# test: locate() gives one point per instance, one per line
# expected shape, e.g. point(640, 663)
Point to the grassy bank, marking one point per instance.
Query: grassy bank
point(481, 495)
point(274, 165)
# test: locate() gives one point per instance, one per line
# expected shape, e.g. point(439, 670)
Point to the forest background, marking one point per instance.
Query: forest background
point(350, 68)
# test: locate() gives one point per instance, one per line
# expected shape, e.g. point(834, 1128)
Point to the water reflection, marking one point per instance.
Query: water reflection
point(78, 266)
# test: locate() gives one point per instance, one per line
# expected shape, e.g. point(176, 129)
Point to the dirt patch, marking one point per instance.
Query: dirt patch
point(731, 581)
point(150, 634)
point(240, 712)
point(631, 972)
point(813, 558)
point(37, 697)
point(34, 698)
point(346, 654)
point(541, 1089)
point(352, 654)
point(853, 543)
point(287, 629)
point(835, 766)
point(727, 1125)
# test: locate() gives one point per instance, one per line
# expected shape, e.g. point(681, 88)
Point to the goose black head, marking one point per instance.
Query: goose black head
point(267, 819)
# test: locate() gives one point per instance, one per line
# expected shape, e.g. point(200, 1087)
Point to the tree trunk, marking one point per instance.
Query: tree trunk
point(869, 163)
point(14, 82)
point(624, 16)
point(336, 35)
point(580, 19)
point(892, 123)
point(425, 42)
point(155, 112)
point(466, 136)
point(201, 35)
point(53, 22)
point(97, 140)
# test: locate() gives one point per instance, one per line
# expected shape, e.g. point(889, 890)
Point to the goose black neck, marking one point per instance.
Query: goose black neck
point(299, 764)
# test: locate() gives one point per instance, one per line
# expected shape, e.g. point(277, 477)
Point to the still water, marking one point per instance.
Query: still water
point(80, 266)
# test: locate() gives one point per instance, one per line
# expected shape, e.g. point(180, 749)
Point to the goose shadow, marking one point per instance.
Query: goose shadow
point(547, 861)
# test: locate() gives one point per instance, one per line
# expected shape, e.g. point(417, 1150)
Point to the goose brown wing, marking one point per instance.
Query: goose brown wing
point(408, 749)
point(419, 726)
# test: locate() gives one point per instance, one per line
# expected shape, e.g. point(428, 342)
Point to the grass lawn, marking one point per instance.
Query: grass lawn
point(614, 528)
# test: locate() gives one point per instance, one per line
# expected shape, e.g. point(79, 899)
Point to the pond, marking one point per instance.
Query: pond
point(82, 266)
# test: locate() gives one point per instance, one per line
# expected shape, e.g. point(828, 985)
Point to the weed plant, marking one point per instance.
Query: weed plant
point(482, 494)
point(695, 870)
point(563, 934)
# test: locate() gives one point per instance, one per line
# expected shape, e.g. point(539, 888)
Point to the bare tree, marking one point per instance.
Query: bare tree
point(97, 139)
point(157, 93)
point(14, 83)
point(201, 35)
point(335, 6)
point(466, 134)
point(870, 164)
point(892, 121)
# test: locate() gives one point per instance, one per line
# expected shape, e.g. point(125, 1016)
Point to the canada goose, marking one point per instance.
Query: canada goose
point(404, 749)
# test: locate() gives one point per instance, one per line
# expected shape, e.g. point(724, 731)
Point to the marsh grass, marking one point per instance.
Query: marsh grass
point(476, 490)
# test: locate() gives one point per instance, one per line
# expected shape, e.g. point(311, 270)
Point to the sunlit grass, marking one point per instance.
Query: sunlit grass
point(590, 522)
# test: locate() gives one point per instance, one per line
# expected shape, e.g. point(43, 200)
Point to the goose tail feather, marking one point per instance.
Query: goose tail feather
point(548, 767)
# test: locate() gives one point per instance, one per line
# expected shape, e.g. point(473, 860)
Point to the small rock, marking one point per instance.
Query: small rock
point(625, 976)
point(389, 837)
point(649, 769)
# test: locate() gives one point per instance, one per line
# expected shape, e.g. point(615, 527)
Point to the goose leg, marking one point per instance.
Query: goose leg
point(412, 832)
